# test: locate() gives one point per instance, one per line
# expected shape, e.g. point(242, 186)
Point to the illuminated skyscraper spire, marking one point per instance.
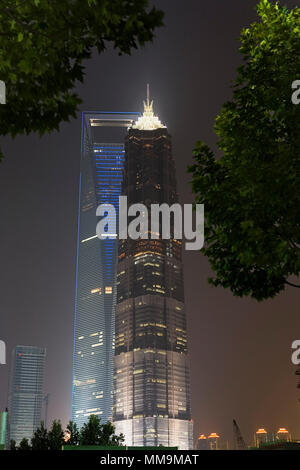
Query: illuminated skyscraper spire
point(151, 364)
point(148, 121)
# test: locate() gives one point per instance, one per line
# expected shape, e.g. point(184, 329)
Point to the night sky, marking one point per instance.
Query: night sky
point(239, 349)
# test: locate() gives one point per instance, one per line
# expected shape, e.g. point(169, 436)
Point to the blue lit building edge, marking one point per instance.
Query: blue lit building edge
point(103, 163)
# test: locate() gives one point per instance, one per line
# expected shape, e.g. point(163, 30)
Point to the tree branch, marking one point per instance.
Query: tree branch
point(291, 284)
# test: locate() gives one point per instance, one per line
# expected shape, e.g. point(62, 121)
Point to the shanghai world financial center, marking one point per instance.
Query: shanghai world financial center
point(130, 361)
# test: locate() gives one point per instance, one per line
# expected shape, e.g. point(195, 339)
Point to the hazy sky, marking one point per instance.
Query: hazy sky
point(240, 350)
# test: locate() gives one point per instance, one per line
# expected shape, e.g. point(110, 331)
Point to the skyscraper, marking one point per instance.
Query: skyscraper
point(283, 435)
point(151, 365)
point(202, 443)
point(261, 437)
point(100, 182)
point(25, 396)
point(213, 441)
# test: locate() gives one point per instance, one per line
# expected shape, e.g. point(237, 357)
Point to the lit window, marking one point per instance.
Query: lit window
point(97, 290)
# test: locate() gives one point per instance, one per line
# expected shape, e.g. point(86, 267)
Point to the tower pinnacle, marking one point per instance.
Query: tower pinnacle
point(148, 121)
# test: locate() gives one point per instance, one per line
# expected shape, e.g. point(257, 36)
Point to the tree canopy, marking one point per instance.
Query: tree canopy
point(40, 438)
point(90, 433)
point(24, 444)
point(56, 436)
point(74, 434)
point(43, 46)
point(251, 193)
point(94, 433)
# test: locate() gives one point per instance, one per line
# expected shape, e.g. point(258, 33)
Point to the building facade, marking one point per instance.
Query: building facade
point(283, 435)
point(101, 171)
point(151, 364)
point(213, 441)
point(25, 396)
point(202, 443)
point(261, 437)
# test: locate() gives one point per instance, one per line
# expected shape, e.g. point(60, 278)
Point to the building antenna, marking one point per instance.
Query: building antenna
point(148, 94)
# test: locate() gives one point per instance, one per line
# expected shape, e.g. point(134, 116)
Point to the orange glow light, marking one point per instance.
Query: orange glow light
point(282, 430)
point(261, 431)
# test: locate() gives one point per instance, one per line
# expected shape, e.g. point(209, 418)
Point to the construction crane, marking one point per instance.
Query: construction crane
point(240, 443)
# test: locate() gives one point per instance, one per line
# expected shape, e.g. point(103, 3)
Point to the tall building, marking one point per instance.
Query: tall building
point(101, 171)
point(261, 437)
point(202, 443)
point(283, 435)
point(25, 395)
point(151, 364)
point(213, 441)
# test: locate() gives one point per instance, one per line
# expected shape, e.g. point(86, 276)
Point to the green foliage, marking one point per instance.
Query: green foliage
point(93, 433)
point(12, 445)
point(74, 434)
point(90, 433)
point(40, 439)
point(56, 436)
point(251, 194)
point(108, 437)
point(43, 46)
point(24, 444)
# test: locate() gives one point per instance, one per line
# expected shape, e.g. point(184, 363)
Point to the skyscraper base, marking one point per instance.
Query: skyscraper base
point(156, 431)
